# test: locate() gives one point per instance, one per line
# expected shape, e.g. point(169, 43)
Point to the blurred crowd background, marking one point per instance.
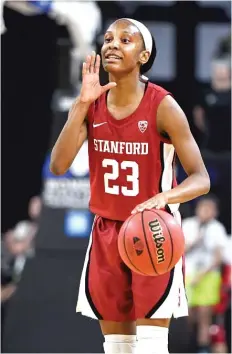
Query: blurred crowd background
point(45, 218)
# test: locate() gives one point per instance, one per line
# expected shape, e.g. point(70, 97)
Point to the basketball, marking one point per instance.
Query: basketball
point(151, 242)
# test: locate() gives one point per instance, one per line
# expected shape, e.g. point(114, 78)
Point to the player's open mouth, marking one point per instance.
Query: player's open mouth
point(112, 57)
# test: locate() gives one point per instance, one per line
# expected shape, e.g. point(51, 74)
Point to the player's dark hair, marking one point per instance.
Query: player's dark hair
point(146, 67)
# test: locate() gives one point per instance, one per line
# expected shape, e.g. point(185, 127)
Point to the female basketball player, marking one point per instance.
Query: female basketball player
point(132, 128)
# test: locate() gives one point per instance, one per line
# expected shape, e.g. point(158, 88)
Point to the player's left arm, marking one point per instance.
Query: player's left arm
point(172, 121)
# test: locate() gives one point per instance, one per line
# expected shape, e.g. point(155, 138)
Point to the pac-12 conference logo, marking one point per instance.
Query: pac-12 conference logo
point(71, 190)
point(143, 124)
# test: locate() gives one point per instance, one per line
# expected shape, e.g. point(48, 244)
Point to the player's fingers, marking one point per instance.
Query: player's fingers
point(150, 205)
point(155, 203)
point(88, 60)
point(97, 64)
point(146, 205)
point(92, 62)
point(136, 209)
point(83, 69)
point(160, 205)
point(109, 86)
point(141, 207)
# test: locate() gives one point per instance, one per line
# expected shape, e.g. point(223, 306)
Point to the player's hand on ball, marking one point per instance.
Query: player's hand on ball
point(91, 88)
point(157, 202)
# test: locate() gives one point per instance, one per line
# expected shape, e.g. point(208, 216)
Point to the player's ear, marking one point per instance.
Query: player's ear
point(144, 57)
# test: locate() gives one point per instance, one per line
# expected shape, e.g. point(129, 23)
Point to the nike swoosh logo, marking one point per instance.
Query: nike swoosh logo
point(98, 125)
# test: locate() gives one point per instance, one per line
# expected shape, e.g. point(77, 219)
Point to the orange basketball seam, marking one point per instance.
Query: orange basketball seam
point(124, 237)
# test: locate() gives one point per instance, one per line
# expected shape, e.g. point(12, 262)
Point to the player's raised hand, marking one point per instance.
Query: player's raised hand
point(91, 88)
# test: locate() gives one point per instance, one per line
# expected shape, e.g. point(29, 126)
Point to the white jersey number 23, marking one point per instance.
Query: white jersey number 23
point(132, 177)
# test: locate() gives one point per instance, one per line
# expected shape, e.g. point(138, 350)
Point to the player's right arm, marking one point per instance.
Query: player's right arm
point(74, 131)
point(70, 139)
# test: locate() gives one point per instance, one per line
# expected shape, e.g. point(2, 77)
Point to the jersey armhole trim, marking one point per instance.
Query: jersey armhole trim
point(159, 99)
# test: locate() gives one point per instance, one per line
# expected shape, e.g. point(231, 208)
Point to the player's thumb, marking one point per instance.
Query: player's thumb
point(109, 86)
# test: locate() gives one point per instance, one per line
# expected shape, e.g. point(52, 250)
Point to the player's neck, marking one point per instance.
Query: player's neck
point(127, 90)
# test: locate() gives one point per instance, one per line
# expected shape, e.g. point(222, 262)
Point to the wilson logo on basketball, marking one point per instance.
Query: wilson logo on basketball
point(158, 237)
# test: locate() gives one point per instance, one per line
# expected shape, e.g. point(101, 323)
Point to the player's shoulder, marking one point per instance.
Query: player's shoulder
point(156, 88)
point(158, 94)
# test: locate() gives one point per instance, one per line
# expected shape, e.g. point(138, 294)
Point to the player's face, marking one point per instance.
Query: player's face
point(123, 48)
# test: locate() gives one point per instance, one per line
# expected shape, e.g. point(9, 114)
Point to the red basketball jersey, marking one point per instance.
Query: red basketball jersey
point(128, 159)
